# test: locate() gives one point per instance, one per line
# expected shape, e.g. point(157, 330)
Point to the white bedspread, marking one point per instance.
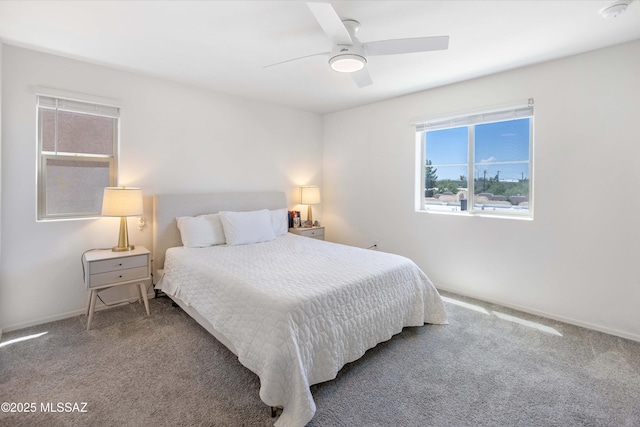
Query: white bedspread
point(297, 309)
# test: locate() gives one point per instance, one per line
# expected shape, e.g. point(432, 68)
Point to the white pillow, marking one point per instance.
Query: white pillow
point(200, 231)
point(279, 221)
point(241, 228)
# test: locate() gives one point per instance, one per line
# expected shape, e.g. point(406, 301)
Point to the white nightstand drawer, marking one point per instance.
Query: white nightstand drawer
point(114, 264)
point(114, 277)
point(314, 233)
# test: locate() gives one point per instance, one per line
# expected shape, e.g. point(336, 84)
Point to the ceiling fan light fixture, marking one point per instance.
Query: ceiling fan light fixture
point(347, 63)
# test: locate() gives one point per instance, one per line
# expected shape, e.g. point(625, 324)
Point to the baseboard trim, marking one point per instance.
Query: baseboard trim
point(530, 310)
point(74, 313)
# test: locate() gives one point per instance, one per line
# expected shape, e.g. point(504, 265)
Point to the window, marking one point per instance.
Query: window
point(479, 163)
point(77, 150)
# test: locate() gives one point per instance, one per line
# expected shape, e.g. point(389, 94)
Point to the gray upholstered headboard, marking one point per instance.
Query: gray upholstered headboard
point(166, 207)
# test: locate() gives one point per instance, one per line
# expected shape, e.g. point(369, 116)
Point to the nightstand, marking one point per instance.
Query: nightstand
point(313, 232)
point(105, 269)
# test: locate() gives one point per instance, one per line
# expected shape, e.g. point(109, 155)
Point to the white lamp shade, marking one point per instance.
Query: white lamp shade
point(122, 201)
point(309, 195)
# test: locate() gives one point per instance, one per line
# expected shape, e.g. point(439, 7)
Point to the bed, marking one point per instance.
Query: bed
point(294, 310)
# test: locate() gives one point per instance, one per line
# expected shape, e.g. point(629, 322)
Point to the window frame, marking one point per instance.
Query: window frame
point(470, 119)
point(78, 105)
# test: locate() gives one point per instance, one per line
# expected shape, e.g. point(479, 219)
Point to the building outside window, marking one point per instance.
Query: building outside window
point(77, 156)
point(477, 163)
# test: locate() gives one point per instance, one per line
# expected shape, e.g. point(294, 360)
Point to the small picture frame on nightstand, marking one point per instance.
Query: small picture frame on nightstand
point(305, 224)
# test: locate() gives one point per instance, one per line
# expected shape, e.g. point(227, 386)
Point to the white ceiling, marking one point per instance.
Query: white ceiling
point(223, 45)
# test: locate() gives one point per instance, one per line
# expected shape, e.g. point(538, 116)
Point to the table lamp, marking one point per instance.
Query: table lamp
point(309, 195)
point(122, 202)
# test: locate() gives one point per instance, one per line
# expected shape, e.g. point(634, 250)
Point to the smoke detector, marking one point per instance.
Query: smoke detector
point(615, 9)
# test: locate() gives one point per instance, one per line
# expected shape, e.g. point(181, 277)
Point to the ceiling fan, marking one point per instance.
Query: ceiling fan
point(349, 55)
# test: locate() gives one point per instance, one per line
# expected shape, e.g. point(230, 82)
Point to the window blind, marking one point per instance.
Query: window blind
point(78, 106)
point(511, 113)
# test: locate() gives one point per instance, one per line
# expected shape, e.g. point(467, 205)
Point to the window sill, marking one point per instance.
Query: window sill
point(477, 214)
point(53, 219)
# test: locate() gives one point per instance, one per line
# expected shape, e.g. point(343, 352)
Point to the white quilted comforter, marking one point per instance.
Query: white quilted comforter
point(298, 309)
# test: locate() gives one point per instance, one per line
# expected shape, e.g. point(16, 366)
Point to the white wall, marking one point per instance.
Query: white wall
point(174, 138)
point(576, 261)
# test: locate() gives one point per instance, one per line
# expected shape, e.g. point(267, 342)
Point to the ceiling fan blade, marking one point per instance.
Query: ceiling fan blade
point(295, 59)
point(330, 22)
point(418, 44)
point(362, 77)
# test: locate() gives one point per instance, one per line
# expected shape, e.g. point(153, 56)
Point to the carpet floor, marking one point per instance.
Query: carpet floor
point(491, 366)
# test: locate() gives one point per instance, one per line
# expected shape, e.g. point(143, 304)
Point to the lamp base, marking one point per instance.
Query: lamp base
point(123, 238)
point(122, 249)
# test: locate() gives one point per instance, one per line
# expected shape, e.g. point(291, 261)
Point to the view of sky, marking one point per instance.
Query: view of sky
point(501, 149)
